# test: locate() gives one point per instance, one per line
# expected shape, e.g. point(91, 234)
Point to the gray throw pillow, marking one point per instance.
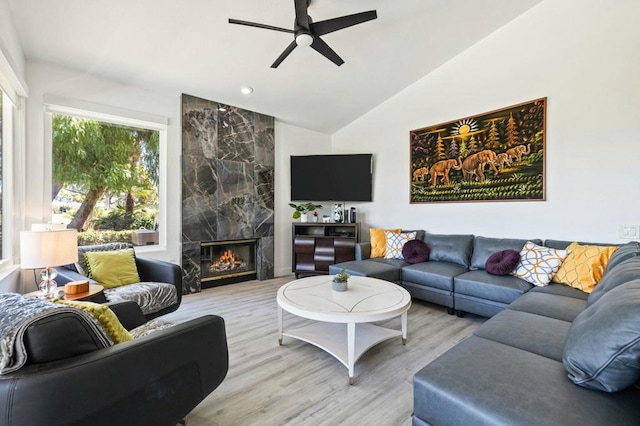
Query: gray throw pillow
point(622, 273)
point(602, 348)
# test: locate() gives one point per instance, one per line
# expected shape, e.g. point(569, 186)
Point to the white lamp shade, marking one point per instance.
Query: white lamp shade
point(42, 249)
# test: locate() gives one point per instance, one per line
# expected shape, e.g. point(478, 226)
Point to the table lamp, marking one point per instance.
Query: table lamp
point(44, 249)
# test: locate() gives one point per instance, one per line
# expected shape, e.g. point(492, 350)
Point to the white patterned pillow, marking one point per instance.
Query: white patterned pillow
point(395, 242)
point(538, 264)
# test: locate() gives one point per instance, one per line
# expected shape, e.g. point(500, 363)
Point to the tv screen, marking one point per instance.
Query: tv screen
point(331, 177)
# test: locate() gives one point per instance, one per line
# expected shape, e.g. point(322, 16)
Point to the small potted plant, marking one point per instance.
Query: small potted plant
point(340, 281)
point(301, 210)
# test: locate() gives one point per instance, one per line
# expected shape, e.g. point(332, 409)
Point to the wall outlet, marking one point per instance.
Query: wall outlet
point(629, 232)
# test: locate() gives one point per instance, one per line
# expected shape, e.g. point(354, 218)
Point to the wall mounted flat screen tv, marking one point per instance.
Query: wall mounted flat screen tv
point(331, 177)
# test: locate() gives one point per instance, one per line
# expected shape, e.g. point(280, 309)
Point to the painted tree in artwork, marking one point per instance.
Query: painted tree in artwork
point(493, 138)
point(463, 151)
point(440, 149)
point(532, 121)
point(420, 151)
point(453, 148)
point(473, 144)
point(512, 134)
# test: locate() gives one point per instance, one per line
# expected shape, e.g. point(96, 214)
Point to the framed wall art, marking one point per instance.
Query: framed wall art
point(493, 156)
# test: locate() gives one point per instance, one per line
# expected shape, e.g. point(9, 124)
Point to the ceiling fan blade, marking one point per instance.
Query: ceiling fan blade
point(256, 25)
point(335, 24)
point(284, 54)
point(302, 16)
point(323, 48)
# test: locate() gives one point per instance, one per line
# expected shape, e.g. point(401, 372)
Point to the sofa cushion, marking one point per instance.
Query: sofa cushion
point(626, 251)
point(113, 268)
point(396, 242)
point(483, 247)
point(502, 262)
point(504, 289)
point(379, 241)
point(530, 332)
point(625, 271)
point(584, 265)
point(376, 268)
point(602, 351)
point(151, 297)
point(538, 264)
point(561, 290)
point(450, 248)
point(482, 382)
point(549, 305)
point(415, 251)
point(432, 274)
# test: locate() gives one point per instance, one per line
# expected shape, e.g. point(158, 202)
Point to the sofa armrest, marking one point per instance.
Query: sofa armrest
point(160, 271)
point(129, 314)
point(157, 379)
point(363, 251)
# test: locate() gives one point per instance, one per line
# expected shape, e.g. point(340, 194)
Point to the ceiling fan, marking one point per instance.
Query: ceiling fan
point(307, 33)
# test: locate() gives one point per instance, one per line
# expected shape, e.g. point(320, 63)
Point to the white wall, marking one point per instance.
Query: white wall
point(583, 55)
point(9, 44)
point(290, 140)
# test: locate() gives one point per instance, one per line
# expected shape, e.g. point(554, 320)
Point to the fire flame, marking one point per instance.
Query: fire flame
point(226, 262)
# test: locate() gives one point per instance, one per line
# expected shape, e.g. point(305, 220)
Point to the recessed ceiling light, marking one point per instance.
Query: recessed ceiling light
point(246, 90)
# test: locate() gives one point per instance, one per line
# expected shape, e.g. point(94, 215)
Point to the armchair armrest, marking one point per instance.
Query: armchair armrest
point(160, 271)
point(156, 379)
point(67, 275)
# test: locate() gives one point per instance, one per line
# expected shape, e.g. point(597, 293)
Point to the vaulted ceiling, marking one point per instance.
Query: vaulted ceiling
point(188, 46)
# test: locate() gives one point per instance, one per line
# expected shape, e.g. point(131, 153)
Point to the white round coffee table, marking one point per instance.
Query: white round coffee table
point(343, 328)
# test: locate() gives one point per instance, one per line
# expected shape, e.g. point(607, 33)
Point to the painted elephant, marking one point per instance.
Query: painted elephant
point(474, 165)
point(442, 169)
point(491, 156)
point(518, 151)
point(419, 174)
point(503, 160)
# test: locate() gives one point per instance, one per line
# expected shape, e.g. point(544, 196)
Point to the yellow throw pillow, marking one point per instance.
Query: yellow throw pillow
point(379, 241)
point(113, 268)
point(105, 316)
point(584, 266)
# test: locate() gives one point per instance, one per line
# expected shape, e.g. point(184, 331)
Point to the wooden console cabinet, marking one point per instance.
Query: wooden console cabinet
point(318, 245)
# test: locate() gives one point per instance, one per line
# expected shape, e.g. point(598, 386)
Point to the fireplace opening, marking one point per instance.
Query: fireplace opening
point(226, 262)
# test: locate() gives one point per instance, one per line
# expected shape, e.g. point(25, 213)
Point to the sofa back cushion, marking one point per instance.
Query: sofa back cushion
point(602, 348)
point(483, 247)
point(626, 251)
point(450, 248)
point(624, 272)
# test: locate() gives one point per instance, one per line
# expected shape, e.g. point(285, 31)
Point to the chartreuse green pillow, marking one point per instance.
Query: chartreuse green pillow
point(105, 316)
point(113, 268)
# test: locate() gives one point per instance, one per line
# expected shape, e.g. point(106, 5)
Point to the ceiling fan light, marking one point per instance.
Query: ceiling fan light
point(304, 39)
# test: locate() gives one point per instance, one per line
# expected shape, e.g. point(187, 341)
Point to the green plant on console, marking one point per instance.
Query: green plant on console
point(303, 208)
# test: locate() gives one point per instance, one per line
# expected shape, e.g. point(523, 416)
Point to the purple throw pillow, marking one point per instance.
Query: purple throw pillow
point(415, 251)
point(502, 262)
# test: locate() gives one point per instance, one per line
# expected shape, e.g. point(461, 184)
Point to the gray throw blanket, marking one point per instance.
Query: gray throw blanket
point(17, 313)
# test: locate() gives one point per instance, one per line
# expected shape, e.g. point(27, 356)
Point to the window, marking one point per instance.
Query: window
point(106, 176)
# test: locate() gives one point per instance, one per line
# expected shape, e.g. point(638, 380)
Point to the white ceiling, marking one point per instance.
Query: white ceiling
point(187, 46)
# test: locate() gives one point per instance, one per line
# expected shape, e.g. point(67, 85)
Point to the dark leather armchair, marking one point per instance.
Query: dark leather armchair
point(149, 270)
point(154, 380)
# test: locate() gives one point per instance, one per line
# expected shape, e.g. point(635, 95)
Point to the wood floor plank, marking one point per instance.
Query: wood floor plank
point(299, 384)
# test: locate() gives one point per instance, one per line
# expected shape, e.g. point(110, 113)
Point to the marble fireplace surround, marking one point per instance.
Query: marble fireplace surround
point(228, 156)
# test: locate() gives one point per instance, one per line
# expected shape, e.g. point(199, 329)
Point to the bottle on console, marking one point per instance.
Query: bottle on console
point(352, 215)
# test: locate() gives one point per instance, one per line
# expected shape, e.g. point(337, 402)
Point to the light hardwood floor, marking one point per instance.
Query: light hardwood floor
point(299, 384)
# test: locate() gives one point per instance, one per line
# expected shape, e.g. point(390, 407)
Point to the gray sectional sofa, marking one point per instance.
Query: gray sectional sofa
point(547, 356)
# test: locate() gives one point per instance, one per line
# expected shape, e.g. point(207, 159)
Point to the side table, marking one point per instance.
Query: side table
point(95, 290)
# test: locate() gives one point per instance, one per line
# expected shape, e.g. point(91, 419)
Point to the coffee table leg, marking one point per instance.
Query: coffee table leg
point(279, 325)
point(403, 318)
point(351, 348)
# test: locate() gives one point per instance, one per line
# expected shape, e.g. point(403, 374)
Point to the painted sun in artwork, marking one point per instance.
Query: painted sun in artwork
point(464, 127)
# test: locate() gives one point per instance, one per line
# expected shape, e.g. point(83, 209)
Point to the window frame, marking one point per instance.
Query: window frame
point(113, 115)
